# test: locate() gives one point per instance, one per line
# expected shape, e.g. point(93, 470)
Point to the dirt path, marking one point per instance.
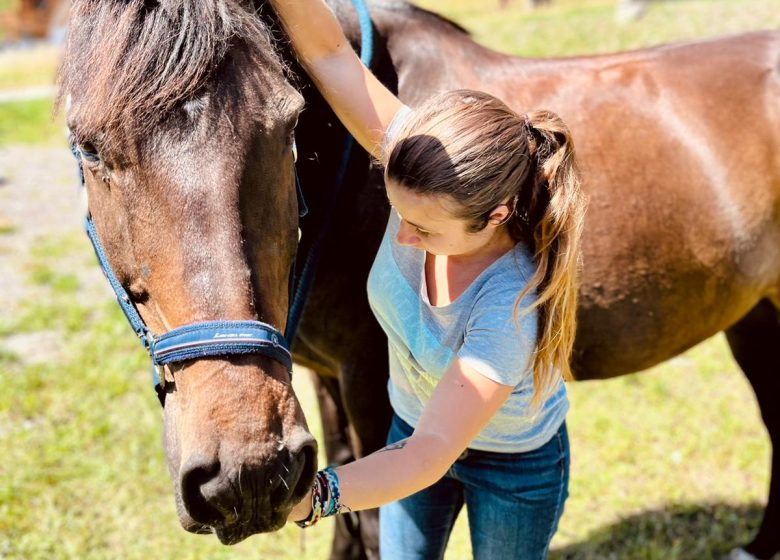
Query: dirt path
point(40, 205)
point(28, 94)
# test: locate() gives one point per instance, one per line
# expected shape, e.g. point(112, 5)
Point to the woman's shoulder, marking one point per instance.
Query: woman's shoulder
point(509, 275)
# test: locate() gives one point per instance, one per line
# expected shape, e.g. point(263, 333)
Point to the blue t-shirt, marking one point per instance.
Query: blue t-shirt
point(480, 327)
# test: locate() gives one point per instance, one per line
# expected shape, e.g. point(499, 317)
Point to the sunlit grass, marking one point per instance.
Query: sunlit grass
point(573, 27)
point(30, 122)
point(26, 67)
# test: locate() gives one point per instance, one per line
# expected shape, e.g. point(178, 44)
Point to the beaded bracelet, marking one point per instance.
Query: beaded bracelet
point(316, 507)
point(325, 498)
point(331, 480)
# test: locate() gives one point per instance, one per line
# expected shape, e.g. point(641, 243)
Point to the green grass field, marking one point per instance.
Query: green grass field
point(32, 66)
point(669, 464)
point(30, 122)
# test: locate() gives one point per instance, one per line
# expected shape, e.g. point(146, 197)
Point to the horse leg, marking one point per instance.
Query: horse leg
point(753, 341)
point(364, 394)
point(347, 543)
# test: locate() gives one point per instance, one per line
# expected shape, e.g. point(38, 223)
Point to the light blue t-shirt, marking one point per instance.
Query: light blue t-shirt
point(479, 327)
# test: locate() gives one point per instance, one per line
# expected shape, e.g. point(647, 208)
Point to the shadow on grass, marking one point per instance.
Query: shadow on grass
point(677, 532)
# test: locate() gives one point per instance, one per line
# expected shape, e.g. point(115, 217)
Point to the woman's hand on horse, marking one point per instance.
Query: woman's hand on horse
point(362, 103)
point(302, 509)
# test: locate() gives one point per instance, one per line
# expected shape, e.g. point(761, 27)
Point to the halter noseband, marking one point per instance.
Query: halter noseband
point(193, 341)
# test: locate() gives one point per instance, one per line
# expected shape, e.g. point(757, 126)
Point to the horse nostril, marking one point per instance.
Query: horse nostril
point(300, 440)
point(309, 458)
point(197, 473)
point(303, 450)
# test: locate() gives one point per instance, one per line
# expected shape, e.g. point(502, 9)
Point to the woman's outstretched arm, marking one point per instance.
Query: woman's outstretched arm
point(461, 405)
point(362, 103)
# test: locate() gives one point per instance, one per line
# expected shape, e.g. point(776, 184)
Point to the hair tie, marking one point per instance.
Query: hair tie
point(527, 122)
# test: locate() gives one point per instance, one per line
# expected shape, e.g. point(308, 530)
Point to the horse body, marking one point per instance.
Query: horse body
point(679, 147)
point(682, 234)
point(681, 164)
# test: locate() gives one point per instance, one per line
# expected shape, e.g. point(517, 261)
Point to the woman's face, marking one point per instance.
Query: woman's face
point(428, 222)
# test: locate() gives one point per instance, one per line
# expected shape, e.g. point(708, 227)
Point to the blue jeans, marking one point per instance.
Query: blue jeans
point(513, 502)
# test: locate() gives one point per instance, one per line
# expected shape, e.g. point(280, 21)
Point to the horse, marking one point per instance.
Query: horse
point(184, 113)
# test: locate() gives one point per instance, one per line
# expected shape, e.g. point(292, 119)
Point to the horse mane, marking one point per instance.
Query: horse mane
point(130, 62)
point(442, 19)
point(414, 10)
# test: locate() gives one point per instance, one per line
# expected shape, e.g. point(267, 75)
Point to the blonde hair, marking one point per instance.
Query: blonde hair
point(470, 146)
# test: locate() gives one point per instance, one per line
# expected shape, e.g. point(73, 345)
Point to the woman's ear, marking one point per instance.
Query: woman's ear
point(499, 215)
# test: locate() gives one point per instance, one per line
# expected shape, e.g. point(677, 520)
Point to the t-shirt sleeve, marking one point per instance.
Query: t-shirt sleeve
point(496, 344)
point(393, 129)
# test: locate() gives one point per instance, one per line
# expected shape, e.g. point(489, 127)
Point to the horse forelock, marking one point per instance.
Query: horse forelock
point(131, 62)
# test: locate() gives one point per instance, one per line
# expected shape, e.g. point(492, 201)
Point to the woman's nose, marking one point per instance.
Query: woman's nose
point(406, 235)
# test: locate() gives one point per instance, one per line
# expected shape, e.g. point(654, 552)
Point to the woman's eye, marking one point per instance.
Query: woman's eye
point(422, 232)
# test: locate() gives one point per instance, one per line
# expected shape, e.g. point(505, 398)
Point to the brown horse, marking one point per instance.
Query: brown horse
point(184, 113)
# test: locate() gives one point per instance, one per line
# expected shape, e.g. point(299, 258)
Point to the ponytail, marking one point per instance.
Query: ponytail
point(472, 147)
point(555, 212)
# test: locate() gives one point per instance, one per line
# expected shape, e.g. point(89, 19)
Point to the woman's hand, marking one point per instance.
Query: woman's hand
point(363, 104)
point(302, 509)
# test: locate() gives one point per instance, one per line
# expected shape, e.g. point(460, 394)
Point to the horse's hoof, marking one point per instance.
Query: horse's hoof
point(739, 554)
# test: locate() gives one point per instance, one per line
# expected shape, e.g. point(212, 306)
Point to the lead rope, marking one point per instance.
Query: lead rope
point(307, 274)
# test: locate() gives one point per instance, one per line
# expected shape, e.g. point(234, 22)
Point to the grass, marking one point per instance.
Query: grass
point(684, 436)
point(671, 464)
point(30, 122)
point(572, 27)
point(33, 66)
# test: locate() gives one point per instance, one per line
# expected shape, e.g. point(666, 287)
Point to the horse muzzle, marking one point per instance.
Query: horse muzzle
point(237, 500)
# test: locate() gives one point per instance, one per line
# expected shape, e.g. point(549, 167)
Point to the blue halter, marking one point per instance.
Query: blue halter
point(193, 341)
point(196, 340)
point(228, 338)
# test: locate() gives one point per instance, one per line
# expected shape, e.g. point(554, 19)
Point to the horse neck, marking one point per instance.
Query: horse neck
point(432, 54)
point(414, 73)
point(320, 136)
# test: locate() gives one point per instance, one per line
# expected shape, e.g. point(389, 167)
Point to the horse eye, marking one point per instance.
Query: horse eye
point(89, 151)
point(294, 147)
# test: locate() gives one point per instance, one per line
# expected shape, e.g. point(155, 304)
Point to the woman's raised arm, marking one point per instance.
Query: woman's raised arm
point(362, 103)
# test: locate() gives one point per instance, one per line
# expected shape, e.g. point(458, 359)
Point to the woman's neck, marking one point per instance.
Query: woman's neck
point(495, 247)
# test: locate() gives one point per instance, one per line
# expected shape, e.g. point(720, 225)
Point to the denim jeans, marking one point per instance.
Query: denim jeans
point(513, 502)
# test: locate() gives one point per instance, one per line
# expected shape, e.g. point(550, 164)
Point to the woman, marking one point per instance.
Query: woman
point(475, 286)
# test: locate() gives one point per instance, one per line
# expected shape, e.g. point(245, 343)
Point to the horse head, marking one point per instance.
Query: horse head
point(183, 117)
